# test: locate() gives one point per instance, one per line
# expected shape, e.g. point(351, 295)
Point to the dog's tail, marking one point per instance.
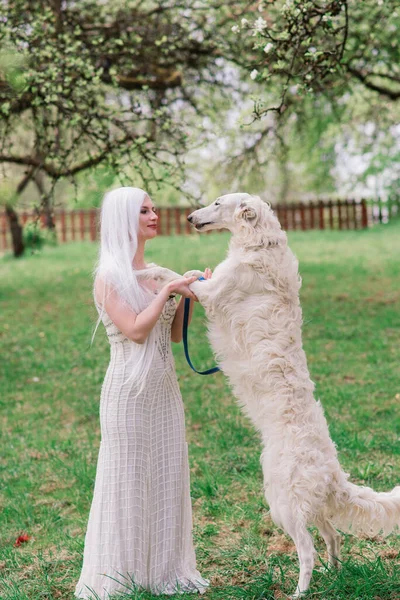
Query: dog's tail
point(360, 509)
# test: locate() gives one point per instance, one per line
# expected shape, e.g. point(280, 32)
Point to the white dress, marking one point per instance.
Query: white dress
point(140, 523)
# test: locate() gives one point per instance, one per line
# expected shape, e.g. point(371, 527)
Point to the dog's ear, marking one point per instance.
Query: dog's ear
point(246, 212)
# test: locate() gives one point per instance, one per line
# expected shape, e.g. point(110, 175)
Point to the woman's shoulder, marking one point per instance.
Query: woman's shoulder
point(102, 289)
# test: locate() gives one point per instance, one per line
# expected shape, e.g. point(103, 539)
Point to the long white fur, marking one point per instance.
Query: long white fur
point(254, 315)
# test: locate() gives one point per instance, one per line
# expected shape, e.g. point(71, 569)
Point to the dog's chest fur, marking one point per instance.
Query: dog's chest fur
point(254, 328)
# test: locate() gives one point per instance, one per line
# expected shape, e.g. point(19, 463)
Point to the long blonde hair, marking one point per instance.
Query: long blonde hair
point(119, 226)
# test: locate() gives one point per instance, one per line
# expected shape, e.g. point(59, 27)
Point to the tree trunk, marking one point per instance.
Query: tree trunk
point(16, 231)
point(46, 207)
point(47, 210)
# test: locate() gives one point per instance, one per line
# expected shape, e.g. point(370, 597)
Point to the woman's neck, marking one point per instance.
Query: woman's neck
point(138, 260)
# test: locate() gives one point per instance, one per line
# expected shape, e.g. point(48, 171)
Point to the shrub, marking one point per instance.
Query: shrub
point(35, 237)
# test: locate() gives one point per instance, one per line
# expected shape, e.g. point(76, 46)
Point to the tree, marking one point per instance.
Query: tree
point(92, 82)
point(132, 84)
point(311, 59)
point(89, 83)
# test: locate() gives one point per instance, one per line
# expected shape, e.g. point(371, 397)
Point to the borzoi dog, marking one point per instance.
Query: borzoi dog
point(252, 305)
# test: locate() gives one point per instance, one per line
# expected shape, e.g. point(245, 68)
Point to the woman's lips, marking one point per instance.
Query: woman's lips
point(152, 226)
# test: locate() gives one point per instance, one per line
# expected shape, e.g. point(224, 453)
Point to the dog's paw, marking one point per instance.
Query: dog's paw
point(156, 273)
point(152, 272)
point(194, 273)
point(297, 595)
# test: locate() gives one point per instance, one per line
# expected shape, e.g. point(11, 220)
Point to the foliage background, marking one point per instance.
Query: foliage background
point(287, 99)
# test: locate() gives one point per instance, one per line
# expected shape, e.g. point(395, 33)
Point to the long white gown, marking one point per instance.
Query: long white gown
point(140, 523)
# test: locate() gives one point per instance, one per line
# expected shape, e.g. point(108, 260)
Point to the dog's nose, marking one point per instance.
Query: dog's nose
point(190, 218)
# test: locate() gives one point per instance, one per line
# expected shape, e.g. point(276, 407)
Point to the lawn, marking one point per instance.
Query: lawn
point(50, 384)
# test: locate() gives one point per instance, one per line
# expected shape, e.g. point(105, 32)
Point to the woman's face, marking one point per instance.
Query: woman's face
point(147, 220)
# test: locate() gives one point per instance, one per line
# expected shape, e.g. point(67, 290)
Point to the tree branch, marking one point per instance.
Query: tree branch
point(364, 78)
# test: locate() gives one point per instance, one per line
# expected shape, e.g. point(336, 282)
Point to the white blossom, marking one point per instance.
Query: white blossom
point(260, 24)
point(268, 47)
point(244, 22)
point(254, 74)
point(235, 29)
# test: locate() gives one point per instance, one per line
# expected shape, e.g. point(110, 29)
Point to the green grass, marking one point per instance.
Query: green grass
point(50, 387)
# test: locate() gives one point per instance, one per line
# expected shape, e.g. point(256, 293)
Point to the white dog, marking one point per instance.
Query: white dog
point(252, 304)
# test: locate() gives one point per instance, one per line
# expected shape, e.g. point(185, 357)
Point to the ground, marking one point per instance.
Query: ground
point(51, 380)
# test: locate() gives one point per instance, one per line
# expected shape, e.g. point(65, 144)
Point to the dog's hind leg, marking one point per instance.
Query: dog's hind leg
point(306, 553)
point(332, 540)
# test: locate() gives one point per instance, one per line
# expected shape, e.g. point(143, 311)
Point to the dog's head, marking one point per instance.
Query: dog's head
point(244, 215)
point(217, 215)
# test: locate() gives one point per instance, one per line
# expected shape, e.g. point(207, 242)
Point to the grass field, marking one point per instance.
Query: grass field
point(50, 386)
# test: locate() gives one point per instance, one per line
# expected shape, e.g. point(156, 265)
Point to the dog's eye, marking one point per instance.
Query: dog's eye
point(216, 203)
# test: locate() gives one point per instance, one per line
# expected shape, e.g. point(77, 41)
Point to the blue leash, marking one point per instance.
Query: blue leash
point(185, 339)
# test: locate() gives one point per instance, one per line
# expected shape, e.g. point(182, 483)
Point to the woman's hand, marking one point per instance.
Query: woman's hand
point(181, 286)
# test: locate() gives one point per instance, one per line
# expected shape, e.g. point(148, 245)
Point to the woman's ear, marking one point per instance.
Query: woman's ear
point(246, 212)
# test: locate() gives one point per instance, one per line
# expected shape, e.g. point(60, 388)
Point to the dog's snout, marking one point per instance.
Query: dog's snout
point(190, 218)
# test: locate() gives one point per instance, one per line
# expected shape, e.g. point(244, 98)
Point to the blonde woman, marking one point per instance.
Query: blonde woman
point(139, 532)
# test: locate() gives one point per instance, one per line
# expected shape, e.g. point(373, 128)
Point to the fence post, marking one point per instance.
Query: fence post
point(63, 229)
point(321, 214)
point(294, 220)
point(302, 216)
point(168, 210)
point(188, 228)
point(354, 204)
point(82, 224)
point(340, 220)
point(330, 207)
point(284, 217)
point(347, 208)
point(177, 220)
point(160, 221)
point(364, 214)
point(72, 220)
point(312, 220)
point(92, 221)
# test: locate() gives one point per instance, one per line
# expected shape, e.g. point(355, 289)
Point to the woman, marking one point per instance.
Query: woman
point(140, 522)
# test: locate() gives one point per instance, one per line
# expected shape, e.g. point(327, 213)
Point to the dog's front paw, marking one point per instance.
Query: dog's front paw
point(152, 272)
point(157, 273)
point(194, 273)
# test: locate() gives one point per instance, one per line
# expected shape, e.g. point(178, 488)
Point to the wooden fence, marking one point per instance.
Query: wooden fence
point(75, 225)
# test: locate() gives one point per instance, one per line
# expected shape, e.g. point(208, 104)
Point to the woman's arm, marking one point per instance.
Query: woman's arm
point(137, 327)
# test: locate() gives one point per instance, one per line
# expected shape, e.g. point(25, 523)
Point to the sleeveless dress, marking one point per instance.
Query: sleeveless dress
point(139, 532)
